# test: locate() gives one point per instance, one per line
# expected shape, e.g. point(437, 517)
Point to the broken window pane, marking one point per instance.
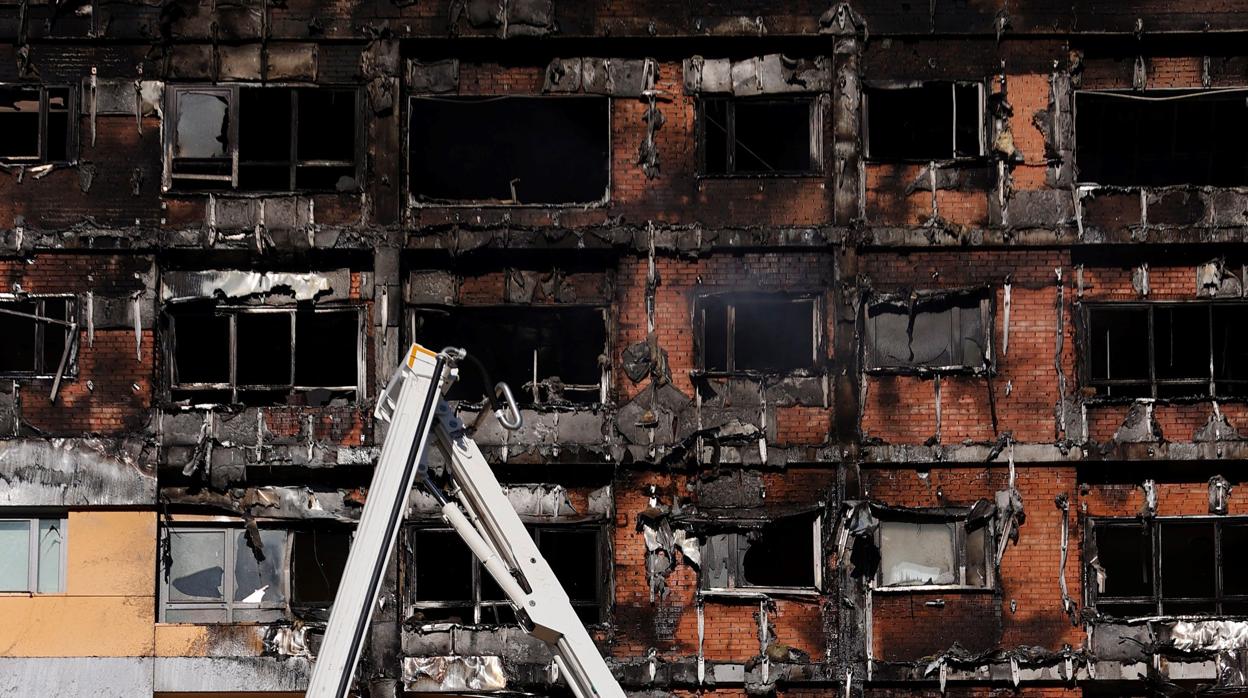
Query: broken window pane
point(197, 572)
point(933, 121)
point(1125, 553)
point(317, 561)
point(14, 555)
point(264, 121)
point(1230, 351)
point(977, 557)
point(19, 123)
point(31, 345)
point(263, 349)
point(918, 553)
point(255, 580)
point(203, 126)
point(945, 331)
point(1117, 350)
point(758, 136)
point(1234, 564)
point(519, 345)
point(330, 348)
point(758, 333)
point(51, 550)
point(525, 150)
point(573, 556)
point(781, 554)
point(1159, 138)
point(1188, 567)
point(326, 144)
point(58, 127)
point(201, 348)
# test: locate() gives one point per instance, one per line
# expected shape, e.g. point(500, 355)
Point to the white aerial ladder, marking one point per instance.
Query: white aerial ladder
point(476, 508)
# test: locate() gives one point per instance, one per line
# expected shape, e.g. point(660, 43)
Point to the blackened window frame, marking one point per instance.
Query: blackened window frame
point(478, 604)
point(982, 149)
point(815, 104)
point(71, 128)
point(415, 202)
point(232, 386)
point(230, 92)
point(1153, 383)
point(737, 560)
point(41, 370)
point(987, 312)
point(959, 516)
point(731, 300)
point(1153, 529)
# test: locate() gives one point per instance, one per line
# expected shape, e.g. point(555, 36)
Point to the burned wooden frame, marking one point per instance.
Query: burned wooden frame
point(967, 134)
point(748, 332)
point(721, 132)
point(1152, 594)
point(485, 604)
point(224, 381)
point(972, 552)
point(53, 122)
point(1201, 363)
point(197, 159)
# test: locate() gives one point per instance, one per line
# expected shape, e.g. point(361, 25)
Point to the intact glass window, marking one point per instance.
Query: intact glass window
point(32, 555)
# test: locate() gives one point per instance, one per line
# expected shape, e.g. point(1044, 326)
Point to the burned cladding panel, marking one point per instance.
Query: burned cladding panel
point(520, 150)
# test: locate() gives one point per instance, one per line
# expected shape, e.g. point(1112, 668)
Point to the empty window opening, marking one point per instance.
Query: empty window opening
point(37, 332)
point(317, 559)
point(214, 576)
point(1159, 138)
point(264, 356)
point(264, 138)
point(32, 555)
point(1166, 350)
point(758, 332)
point(1173, 567)
point(546, 355)
point(756, 136)
point(932, 121)
point(933, 551)
point(781, 554)
point(35, 123)
point(939, 331)
point(510, 150)
point(447, 584)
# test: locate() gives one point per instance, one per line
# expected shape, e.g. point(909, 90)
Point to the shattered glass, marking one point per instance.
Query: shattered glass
point(19, 122)
point(259, 581)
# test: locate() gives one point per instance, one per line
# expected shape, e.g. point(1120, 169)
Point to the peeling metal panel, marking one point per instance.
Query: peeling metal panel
point(73, 472)
point(455, 673)
point(186, 285)
point(770, 74)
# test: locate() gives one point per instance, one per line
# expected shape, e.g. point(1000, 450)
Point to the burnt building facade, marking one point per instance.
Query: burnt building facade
point(812, 404)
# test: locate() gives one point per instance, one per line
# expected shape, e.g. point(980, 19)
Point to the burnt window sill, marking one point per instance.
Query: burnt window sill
point(759, 592)
point(934, 589)
point(927, 372)
point(175, 192)
point(972, 160)
point(721, 176)
point(497, 204)
point(813, 372)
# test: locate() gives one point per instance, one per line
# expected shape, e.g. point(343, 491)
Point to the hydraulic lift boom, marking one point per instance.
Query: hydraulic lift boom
point(476, 508)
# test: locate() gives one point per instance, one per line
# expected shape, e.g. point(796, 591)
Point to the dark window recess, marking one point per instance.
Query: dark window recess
point(446, 584)
point(546, 355)
point(284, 139)
point(759, 136)
point(757, 332)
point(516, 150)
point(1162, 138)
point(35, 123)
point(1179, 567)
point(34, 346)
point(934, 121)
point(1166, 350)
point(778, 554)
point(317, 561)
point(298, 356)
point(932, 332)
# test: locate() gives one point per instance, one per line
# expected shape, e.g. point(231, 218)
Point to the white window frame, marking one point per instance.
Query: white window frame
point(32, 551)
point(227, 605)
point(745, 589)
point(959, 543)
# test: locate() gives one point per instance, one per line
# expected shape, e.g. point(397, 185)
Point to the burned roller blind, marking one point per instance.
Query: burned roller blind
point(265, 138)
point(1162, 137)
point(933, 551)
point(215, 575)
point(757, 332)
point(757, 136)
point(509, 150)
point(1166, 350)
point(781, 554)
point(36, 333)
point(929, 331)
point(1173, 566)
point(547, 355)
point(931, 121)
point(263, 355)
point(35, 123)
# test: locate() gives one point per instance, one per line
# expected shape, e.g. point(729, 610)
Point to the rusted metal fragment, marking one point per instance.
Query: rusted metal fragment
point(73, 472)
